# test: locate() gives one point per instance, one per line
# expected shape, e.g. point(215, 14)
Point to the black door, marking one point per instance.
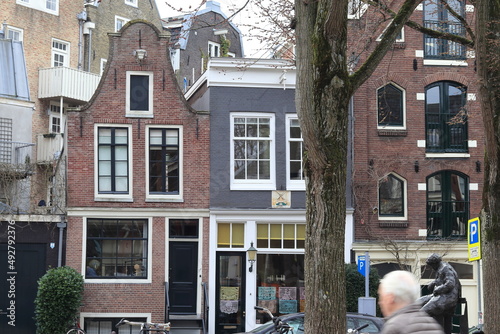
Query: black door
point(183, 268)
point(230, 293)
point(18, 286)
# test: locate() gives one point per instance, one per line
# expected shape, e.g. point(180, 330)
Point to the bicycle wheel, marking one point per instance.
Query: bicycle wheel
point(75, 331)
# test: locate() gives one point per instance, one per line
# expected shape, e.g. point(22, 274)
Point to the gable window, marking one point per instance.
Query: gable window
point(447, 204)
point(113, 160)
point(252, 153)
point(117, 248)
point(60, 53)
point(391, 197)
point(120, 22)
point(164, 161)
point(15, 34)
point(139, 94)
point(446, 117)
point(295, 150)
point(213, 49)
point(438, 17)
point(391, 106)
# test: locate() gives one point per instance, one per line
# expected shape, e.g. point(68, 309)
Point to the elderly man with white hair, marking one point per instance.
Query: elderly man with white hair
point(398, 293)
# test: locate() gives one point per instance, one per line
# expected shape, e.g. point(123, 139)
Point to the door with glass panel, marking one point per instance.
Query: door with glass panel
point(230, 293)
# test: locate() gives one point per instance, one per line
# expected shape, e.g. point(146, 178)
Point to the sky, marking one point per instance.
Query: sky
point(251, 46)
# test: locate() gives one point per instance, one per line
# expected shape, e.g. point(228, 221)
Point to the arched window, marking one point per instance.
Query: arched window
point(390, 103)
point(447, 204)
point(391, 196)
point(445, 117)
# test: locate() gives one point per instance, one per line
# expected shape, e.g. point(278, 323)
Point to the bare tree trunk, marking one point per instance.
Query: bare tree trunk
point(323, 92)
point(488, 69)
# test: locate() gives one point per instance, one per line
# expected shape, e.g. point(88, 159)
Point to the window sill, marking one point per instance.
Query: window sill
point(393, 224)
point(392, 132)
point(447, 155)
point(165, 199)
point(254, 186)
point(445, 62)
point(113, 199)
point(117, 281)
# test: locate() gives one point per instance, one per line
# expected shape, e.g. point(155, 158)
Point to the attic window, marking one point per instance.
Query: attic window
point(139, 94)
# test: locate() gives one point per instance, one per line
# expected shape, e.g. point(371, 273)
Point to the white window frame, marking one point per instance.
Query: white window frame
point(113, 197)
point(139, 113)
point(392, 127)
point(358, 12)
point(40, 5)
point(397, 40)
point(213, 49)
point(57, 51)
point(165, 197)
point(17, 32)
point(118, 280)
point(53, 118)
point(132, 3)
point(292, 184)
point(123, 21)
point(254, 184)
point(405, 200)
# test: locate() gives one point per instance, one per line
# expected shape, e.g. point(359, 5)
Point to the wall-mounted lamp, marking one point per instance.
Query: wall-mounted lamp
point(251, 254)
point(140, 54)
point(415, 65)
point(478, 166)
point(417, 166)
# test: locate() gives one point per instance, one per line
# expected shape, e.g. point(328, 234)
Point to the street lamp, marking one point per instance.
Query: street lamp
point(251, 253)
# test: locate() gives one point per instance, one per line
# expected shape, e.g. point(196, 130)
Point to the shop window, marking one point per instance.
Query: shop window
point(116, 248)
point(280, 284)
point(288, 236)
point(230, 235)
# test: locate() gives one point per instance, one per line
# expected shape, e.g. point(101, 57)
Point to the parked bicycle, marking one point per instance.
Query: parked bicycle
point(280, 326)
point(147, 327)
point(76, 329)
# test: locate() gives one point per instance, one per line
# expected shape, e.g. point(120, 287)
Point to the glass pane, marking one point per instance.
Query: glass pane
point(432, 100)
point(172, 137)
point(121, 168)
point(104, 168)
point(431, 10)
point(434, 188)
point(238, 237)
point(121, 152)
point(252, 170)
point(104, 153)
point(223, 234)
point(295, 150)
point(264, 128)
point(104, 184)
point(251, 127)
point(104, 136)
point(390, 101)
point(264, 149)
point(455, 100)
point(289, 236)
point(121, 136)
point(187, 228)
point(276, 236)
point(139, 92)
point(239, 129)
point(391, 196)
point(121, 184)
point(155, 136)
point(295, 129)
point(239, 169)
point(239, 149)
point(264, 170)
point(262, 236)
point(295, 171)
point(252, 148)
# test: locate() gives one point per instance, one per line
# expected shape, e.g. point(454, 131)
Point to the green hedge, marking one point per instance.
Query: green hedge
point(355, 286)
point(59, 297)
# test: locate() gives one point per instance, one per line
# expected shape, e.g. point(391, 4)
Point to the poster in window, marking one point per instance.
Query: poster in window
point(288, 306)
point(267, 293)
point(229, 306)
point(271, 305)
point(288, 293)
point(229, 293)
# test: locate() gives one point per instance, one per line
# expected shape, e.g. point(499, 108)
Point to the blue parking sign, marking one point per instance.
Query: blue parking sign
point(362, 264)
point(474, 239)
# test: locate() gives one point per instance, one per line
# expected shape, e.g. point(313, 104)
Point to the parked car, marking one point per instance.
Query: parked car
point(296, 322)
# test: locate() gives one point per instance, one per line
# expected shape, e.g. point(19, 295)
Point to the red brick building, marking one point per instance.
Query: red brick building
point(418, 151)
point(138, 171)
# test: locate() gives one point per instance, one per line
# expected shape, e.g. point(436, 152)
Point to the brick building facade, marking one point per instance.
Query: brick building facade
point(138, 188)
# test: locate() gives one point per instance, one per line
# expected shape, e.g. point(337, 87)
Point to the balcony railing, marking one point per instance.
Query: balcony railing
point(48, 147)
point(437, 48)
point(15, 158)
point(67, 82)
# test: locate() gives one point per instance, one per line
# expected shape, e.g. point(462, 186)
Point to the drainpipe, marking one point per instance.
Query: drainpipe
point(61, 227)
point(82, 17)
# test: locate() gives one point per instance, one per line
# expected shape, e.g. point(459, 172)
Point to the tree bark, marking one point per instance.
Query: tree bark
point(487, 49)
point(323, 91)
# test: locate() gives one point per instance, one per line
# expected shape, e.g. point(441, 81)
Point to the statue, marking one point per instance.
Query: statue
point(445, 290)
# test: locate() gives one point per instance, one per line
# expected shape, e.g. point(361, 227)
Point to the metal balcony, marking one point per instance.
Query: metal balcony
point(15, 158)
point(66, 82)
